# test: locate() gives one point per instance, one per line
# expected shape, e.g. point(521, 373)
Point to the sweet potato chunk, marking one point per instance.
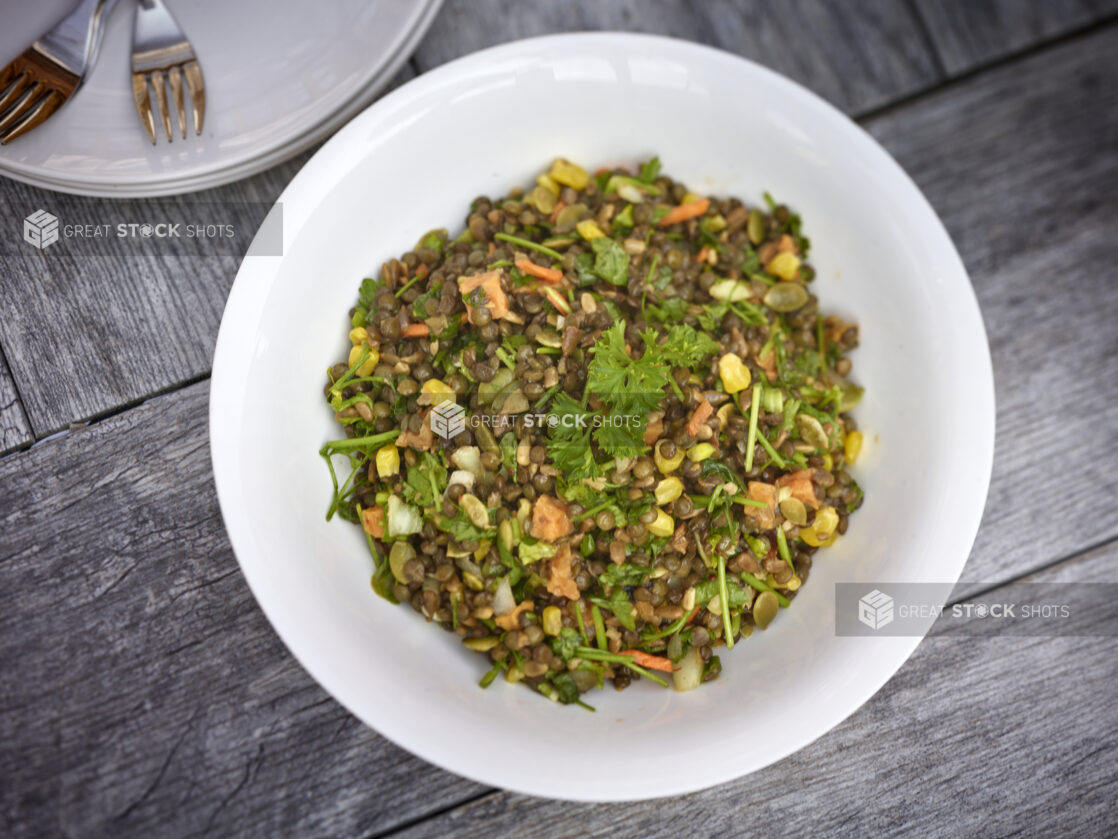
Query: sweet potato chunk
point(559, 580)
point(801, 485)
point(765, 517)
point(549, 519)
point(497, 301)
point(511, 620)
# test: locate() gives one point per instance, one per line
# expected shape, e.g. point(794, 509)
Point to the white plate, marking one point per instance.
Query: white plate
point(414, 161)
point(279, 78)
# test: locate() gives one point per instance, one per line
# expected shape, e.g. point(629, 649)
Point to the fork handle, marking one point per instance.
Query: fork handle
point(75, 41)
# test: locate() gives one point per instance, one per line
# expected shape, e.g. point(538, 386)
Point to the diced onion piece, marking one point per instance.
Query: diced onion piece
point(468, 458)
point(403, 519)
point(503, 600)
point(732, 291)
point(689, 674)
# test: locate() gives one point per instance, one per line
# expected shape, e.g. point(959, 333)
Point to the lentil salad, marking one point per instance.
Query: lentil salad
point(655, 435)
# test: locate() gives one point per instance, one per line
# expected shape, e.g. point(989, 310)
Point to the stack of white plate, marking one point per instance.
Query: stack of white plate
point(280, 76)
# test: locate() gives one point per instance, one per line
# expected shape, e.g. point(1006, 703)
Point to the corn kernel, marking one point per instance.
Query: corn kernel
point(852, 446)
point(691, 198)
point(388, 460)
point(828, 462)
point(548, 183)
point(816, 541)
point(436, 391)
point(370, 364)
point(552, 620)
point(724, 415)
point(667, 465)
point(663, 526)
point(668, 490)
point(568, 174)
point(826, 520)
point(823, 530)
point(700, 452)
point(358, 334)
point(733, 372)
point(784, 265)
point(588, 229)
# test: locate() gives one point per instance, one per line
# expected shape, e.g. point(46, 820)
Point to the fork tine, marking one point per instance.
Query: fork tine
point(161, 100)
point(7, 74)
point(175, 79)
point(47, 106)
point(16, 114)
point(22, 83)
point(143, 104)
point(197, 88)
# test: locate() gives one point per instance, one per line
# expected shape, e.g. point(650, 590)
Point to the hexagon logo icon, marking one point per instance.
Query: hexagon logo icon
point(40, 229)
point(448, 419)
point(875, 609)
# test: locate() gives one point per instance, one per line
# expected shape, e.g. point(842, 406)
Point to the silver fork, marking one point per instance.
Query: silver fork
point(46, 74)
point(161, 53)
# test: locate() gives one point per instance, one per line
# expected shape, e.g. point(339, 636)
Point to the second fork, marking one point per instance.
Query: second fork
point(162, 56)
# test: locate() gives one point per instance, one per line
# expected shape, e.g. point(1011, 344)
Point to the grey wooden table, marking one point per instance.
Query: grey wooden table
point(143, 693)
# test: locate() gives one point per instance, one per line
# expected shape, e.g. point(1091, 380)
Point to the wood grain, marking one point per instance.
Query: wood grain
point(968, 34)
point(85, 335)
point(1020, 163)
point(973, 736)
point(14, 429)
point(859, 54)
point(144, 692)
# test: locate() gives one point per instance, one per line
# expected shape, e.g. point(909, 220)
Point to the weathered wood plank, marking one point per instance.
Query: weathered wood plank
point(1020, 163)
point(857, 54)
point(14, 429)
point(87, 334)
point(144, 692)
point(973, 736)
point(968, 34)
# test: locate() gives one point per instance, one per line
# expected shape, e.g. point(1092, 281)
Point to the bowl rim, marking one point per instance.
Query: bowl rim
point(232, 360)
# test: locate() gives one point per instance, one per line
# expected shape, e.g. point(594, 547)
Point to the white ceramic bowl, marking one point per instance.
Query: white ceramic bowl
point(413, 161)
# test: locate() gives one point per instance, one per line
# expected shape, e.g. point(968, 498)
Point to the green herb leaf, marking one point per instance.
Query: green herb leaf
point(426, 481)
point(565, 688)
point(565, 644)
point(626, 574)
point(621, 607)
point(611, 263)
point(531, 550)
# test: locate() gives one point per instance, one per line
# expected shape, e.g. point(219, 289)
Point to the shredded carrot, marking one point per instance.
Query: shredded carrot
point(421, 270)
point(416, 330)
point(704, 253)
point(652, 662)
point(684, 212)
point(551, 275)
point(492, 247)
point(702, 413)
point(602, 171)
point(691, 616)
point(559, 205)
point(372, 518)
